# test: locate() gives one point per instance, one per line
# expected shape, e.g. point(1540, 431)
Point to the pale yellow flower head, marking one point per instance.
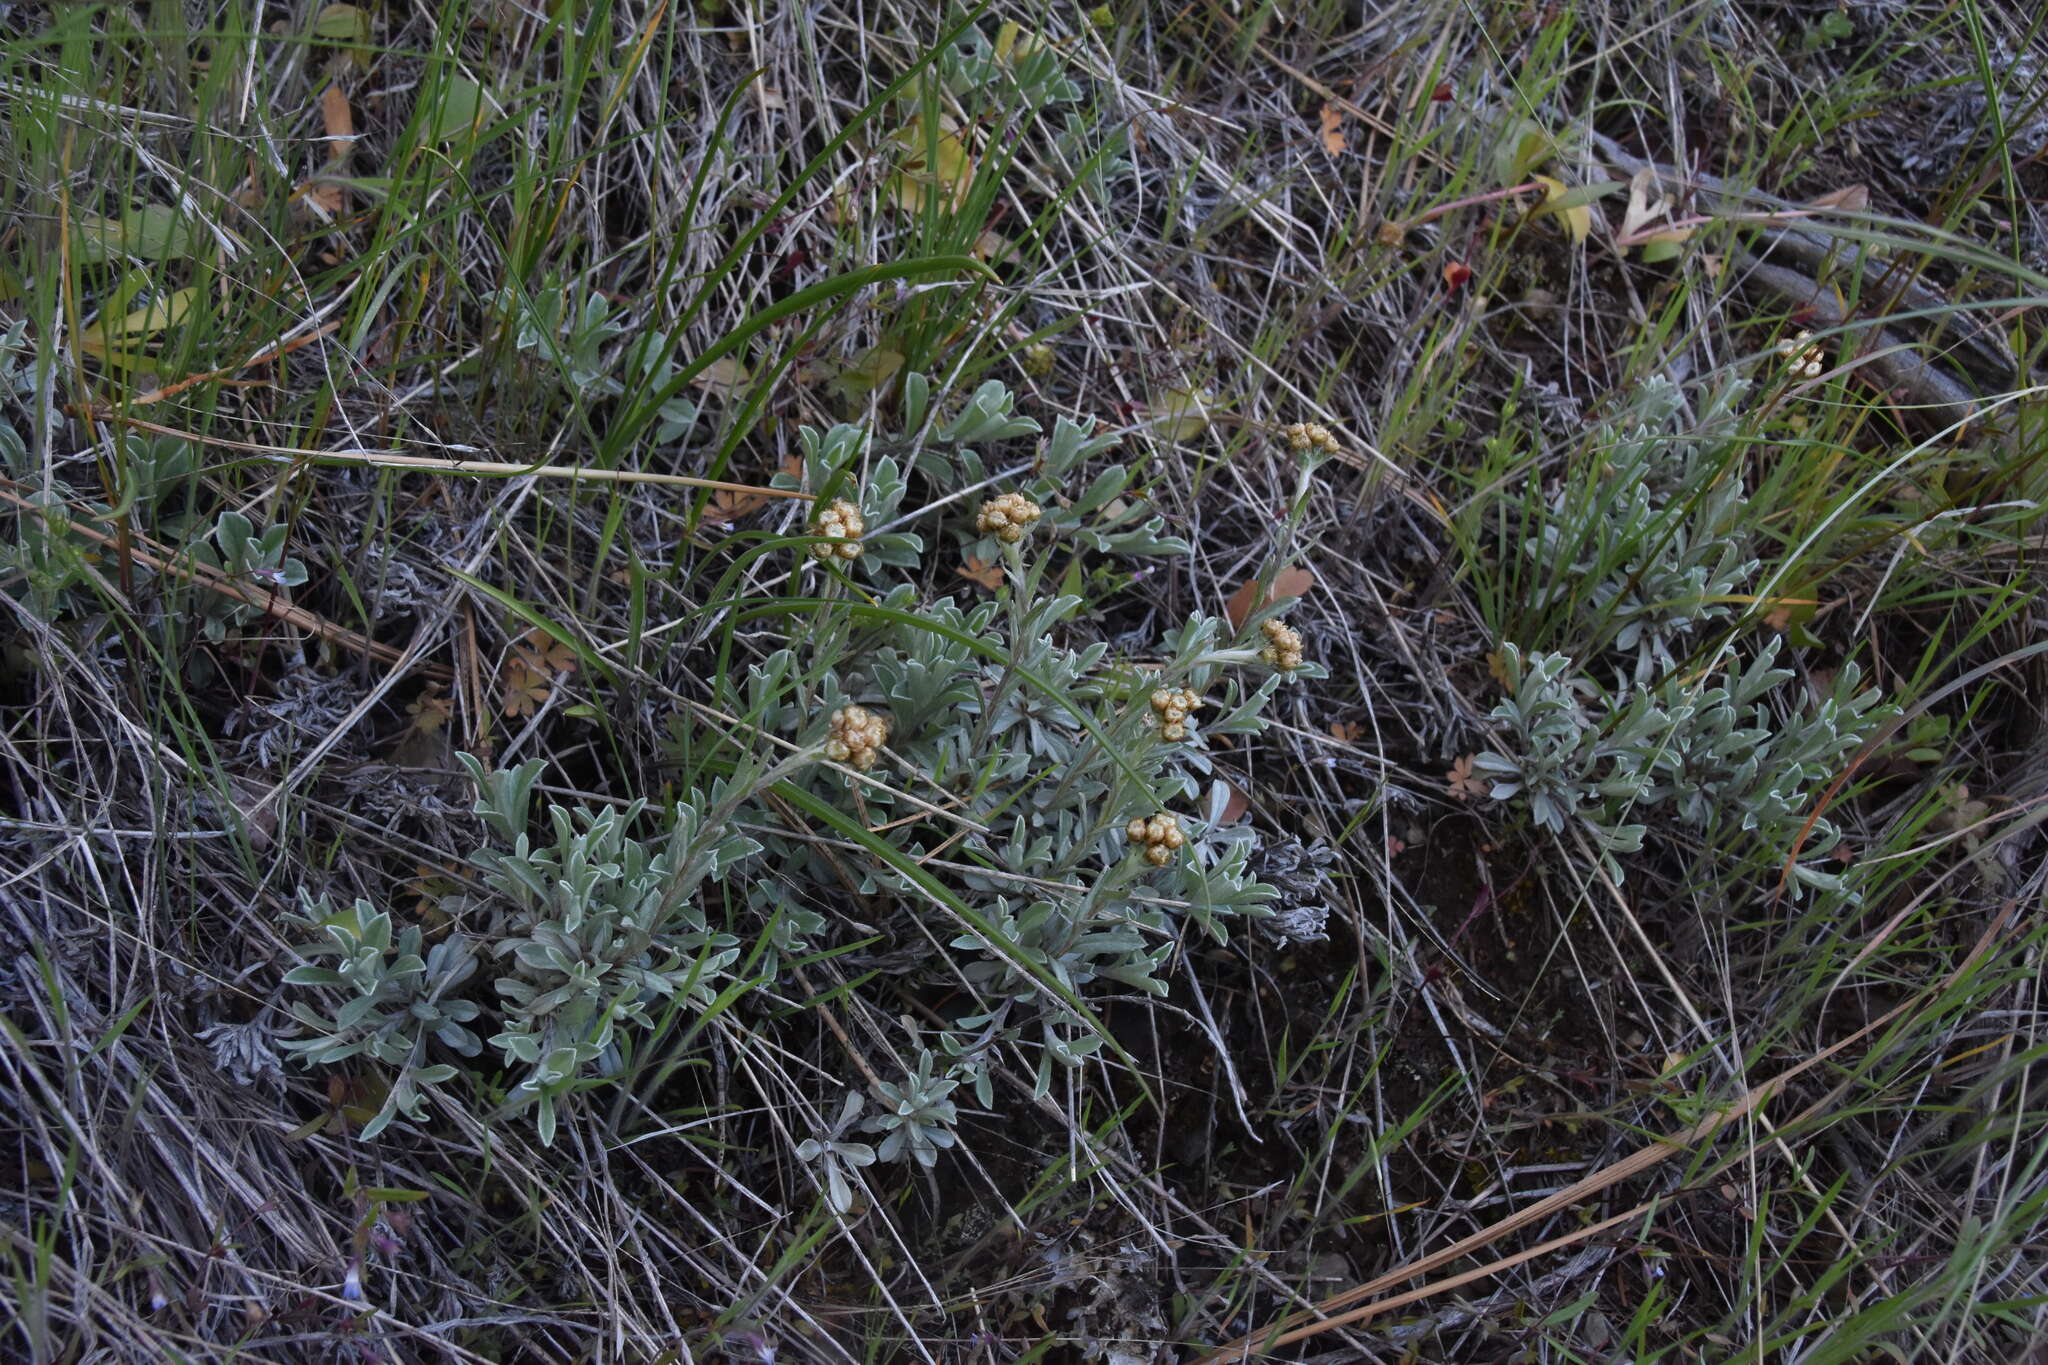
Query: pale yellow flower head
point(841, 522)
point(1008, 518)
point(856, 736)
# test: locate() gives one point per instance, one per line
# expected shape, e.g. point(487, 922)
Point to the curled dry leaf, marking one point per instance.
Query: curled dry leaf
point(531, 669)
point(728, 505)
point(1463, 783)
point(988, 575)
point(340, 128)
point(1848, 199)
point(1333, 130)
point(1646, 202)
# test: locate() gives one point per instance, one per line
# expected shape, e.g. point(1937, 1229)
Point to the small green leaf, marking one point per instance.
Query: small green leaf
point(1665, 246)
point(1525, 147)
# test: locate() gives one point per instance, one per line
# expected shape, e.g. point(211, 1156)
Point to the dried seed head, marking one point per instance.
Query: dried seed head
point(1283, 646)
point(1309, 436)
point(856, 736)
point(1802, 355)
point(842, 523)
point(1008, 517)
point(1172, 706)
point(1159, 836)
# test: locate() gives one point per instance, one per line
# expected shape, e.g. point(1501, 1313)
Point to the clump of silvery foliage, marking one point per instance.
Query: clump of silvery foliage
point(1653, 548)
point(1649, 544)
point(593, 929)
point(48, 561)
point(983, 778)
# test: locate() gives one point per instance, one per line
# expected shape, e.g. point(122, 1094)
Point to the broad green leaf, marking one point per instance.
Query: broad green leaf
point(460, 110)
point(154, 232)
point(342, 25)
point(1182, 414)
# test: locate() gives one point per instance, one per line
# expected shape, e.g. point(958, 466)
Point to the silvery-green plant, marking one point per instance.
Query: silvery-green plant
point(45, 562)
point(649, 368)
point(1044, 743)
point(1025, 72)
point(1648, 545)
point(17, 362)
point(1639, 561)
point(1021, 75)
point(834, 1153)
point(249, 559)
point(395, 1002)
point(51, 563)
point(550, 323)
point(917, 1117)
point(596, 930)
point(976, 768)
point(1721, 758)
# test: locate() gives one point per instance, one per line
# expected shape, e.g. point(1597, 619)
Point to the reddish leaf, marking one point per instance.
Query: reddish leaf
point(1848, 199)
point(728, 505)
point(1289, 582)
point(987, 574)
point(1333, 130)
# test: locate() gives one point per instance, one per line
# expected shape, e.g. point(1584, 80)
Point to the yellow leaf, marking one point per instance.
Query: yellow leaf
point(1014, 43)
point(1578, 218)
point(342, 25)
point(1182, 414)
point(142, 324)
point(933, 167)
point(993, 246)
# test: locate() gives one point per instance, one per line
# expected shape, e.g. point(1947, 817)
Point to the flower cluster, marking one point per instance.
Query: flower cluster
point(1008, 517)
point(1036, 360)
point(857, 735)
point(1303, 436)
point(1159, 837)
point(841, 523)
point(1173, 706)
point(1802, 355)
point(1283, 646)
